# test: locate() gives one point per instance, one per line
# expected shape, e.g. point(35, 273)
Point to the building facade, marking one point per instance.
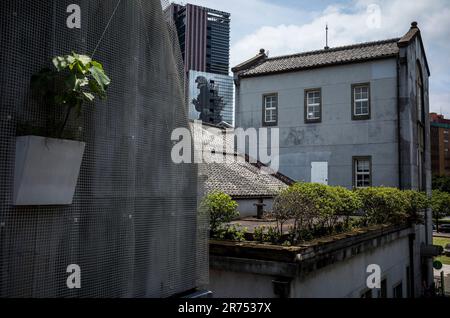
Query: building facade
point(352, 116)
point(440, 153)
point(334, 268)
point(204, 38)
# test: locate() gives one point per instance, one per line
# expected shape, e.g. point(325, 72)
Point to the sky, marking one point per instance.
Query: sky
point(291, 26)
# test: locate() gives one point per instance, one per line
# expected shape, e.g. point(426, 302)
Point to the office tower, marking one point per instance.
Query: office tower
point(204, 37)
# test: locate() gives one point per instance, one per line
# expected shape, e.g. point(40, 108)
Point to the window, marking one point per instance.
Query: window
point(382, 292)
point(445, 132)
point(361, 101)
point(313, 105)
point(362, 172)
point(398, 291)
point(270, 110)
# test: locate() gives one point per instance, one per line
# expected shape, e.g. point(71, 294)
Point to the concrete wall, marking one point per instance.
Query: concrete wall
point(410, 57)
point(230, 277)
point(247, 207)
point(337, 138)
point(348, 279)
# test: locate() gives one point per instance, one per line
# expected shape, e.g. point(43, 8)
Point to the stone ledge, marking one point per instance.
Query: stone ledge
point(283, 261)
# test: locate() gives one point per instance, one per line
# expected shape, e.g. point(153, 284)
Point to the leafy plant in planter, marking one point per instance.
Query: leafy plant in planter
point(47, 166)
point(75, 80)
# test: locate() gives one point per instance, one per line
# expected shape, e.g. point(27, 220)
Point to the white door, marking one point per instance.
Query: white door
point(319, 172)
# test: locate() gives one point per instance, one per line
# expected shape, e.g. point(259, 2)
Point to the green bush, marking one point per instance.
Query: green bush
point(258, 233)
point(441, 183)
point(272, 235)
point(312, 205)
point(230, 232)
point(346, 203)
point(266, 234)
point(299, 203)
point(440, 204)
point(417, 203)
point(220, 208)
point(383, 205)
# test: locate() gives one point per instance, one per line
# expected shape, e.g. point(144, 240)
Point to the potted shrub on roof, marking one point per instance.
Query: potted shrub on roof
point(48, 160)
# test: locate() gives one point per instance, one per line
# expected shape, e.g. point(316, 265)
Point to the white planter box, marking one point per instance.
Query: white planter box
point(46, 170)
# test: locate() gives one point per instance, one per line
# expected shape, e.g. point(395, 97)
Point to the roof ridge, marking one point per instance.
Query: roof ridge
point(334, 49)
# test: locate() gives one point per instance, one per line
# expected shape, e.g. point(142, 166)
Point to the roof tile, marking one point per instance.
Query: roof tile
point(325, 57)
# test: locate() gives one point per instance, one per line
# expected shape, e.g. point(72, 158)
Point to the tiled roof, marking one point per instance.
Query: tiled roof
point(239, 179)
point(326, 57)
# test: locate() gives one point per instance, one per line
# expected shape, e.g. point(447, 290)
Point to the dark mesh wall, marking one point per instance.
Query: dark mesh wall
point(133, 225)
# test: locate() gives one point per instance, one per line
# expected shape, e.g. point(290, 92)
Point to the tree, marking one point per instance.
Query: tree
point(440, 204)
point(417, 203)
point(383, 205)
point(312, 204)
point(295, 203)
point(441, 183)
point(220, 208)
point(347, 203)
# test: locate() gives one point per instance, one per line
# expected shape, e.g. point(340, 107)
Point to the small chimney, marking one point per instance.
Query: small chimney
point(414, 25)
point(262, 51)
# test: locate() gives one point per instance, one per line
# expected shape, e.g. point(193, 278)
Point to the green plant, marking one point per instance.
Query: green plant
point(297, 203)
point(346, 203)
point(75, 79)
point(220, 209)
point(441, 183)
point(258, 233)
point(383, 205)
point(231, 232)
point(417, 203)
point(440, 204)
point(313, 208)
point(272, 235)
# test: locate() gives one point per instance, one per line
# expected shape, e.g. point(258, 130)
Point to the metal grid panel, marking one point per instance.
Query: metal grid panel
point(133, 226)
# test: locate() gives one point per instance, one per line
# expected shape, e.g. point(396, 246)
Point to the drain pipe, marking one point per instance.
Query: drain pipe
point(399, 146)
point(411, 239)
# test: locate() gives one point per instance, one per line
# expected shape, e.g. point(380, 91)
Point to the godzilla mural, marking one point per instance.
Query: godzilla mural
point(208, 102)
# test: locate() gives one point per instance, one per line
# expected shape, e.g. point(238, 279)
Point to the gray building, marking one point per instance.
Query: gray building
point(351, 116)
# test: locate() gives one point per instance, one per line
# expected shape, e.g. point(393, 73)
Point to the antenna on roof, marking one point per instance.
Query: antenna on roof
point(326, 38)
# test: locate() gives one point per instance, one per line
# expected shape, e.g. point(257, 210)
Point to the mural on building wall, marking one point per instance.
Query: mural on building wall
point(211, 97)
point(208, 102)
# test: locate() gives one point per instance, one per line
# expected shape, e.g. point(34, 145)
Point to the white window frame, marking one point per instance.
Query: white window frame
point(272, 110)
point(355, 100)
point(313, 105)
point(367, 174)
